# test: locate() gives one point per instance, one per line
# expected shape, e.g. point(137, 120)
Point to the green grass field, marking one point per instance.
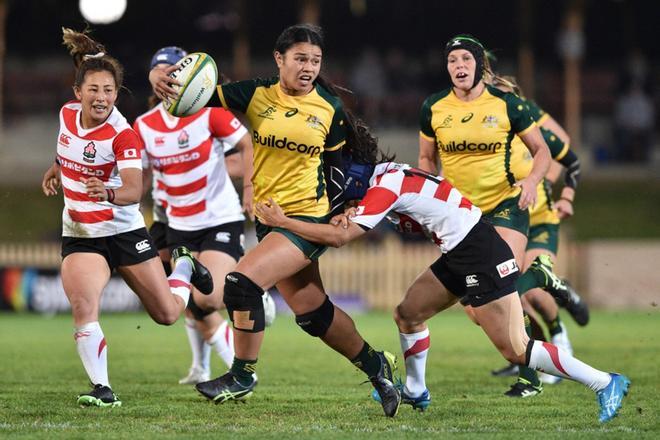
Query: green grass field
point(308, 391)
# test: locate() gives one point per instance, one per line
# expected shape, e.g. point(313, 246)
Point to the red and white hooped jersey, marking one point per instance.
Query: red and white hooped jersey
point(98, 152)
point(417, 202)
point(189, 167)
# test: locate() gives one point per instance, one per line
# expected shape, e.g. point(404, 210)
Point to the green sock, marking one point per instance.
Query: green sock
point(524, 372)
point(367, 360)
point(530, 279)
point(243, 370)
point(554, 326)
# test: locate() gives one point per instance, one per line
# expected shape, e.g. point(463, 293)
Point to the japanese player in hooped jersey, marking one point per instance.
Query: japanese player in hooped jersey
point(190, 167)
point(289, 134)
point(97, 152)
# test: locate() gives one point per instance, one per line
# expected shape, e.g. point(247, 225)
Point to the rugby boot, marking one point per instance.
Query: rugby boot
point(523, 388)
point(226, 388)
point(611, 397)
point(201, 277)
point(576, 306)
point(101, 396)
point(383, 382)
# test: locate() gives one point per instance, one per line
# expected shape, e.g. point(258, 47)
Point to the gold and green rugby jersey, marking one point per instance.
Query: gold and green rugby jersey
point(289, 134)
point(474, 141)
point(544, 211)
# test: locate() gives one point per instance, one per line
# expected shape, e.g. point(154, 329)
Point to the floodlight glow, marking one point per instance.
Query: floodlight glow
point(102, 11)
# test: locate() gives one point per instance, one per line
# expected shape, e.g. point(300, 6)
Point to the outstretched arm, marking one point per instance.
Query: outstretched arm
point(335, 234)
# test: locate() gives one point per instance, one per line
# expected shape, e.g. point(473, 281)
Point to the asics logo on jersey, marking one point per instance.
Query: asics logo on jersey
point(172, 160)
point(268, 113)
point(142, 246)
point(467, 117)
point(64, 139)
point(291, 112)
point(80, 168)
point(465, 146)
point(285, 143)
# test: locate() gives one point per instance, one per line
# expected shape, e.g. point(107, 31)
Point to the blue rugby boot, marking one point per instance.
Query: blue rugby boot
point(421, 402)
point(611, 397)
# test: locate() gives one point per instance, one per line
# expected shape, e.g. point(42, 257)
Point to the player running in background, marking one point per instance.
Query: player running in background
point(476, 267)
point(469, 128)
point(99, 168)
point(298, 129)
point(543, 242)
point(202, 208)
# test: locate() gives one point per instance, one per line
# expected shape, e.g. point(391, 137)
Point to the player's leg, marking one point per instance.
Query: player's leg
point(84, 275)
point(200, 367)
point(502, 321)
point(273, 259)
point(528, 383)
point(319, 317)
point(426, 297)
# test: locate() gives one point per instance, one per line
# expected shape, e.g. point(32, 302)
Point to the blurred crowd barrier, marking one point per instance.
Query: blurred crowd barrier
point(608, 274)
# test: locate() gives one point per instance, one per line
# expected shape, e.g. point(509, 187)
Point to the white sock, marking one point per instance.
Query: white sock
point(200, 349)
point(415, 348)
point(179, 280)
point(222, 342)
point(93, 352)
point(553, 360)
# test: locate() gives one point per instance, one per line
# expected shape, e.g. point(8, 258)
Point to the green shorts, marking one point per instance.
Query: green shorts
point(508, 215)
point(311, 250)
point(544, 236)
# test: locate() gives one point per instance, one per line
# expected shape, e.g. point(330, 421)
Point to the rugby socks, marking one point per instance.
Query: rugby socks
point(93, 352)
point(415, 348)
point(556, 361)
point(530, 279)
point(222, 342)
point(243, 370)
point(367, 360)
point(201, 351)
point(524, 372)
point(180, 279)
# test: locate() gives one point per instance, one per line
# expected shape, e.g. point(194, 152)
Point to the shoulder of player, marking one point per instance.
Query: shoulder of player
point(508, 97)
point(334, 100)
point(434, 98)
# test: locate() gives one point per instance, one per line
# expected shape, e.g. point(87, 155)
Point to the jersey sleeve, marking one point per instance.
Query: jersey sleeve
point(143, 148)
point(425, 114)
point(519, 114)
point(536, 112)
point(127, 147)
point(558, 149)
point(225, 126)
point(337, 134)
point(237, 95)
point(374, 207)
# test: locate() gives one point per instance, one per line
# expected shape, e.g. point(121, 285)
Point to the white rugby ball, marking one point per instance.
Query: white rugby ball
point(198, 75)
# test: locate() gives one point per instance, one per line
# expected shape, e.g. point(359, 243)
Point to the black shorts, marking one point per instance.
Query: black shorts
point(124, 249)
point(227, 238)
point(158, 232)
point(480, 269)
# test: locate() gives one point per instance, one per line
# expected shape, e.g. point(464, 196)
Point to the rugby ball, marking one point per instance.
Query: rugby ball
point(198, 75)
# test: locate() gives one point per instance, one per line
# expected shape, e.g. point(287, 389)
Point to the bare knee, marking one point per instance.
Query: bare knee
point(164, 316)
point(408, 320)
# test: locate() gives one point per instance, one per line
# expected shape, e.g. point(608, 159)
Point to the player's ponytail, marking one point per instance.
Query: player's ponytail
point(90, 56)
